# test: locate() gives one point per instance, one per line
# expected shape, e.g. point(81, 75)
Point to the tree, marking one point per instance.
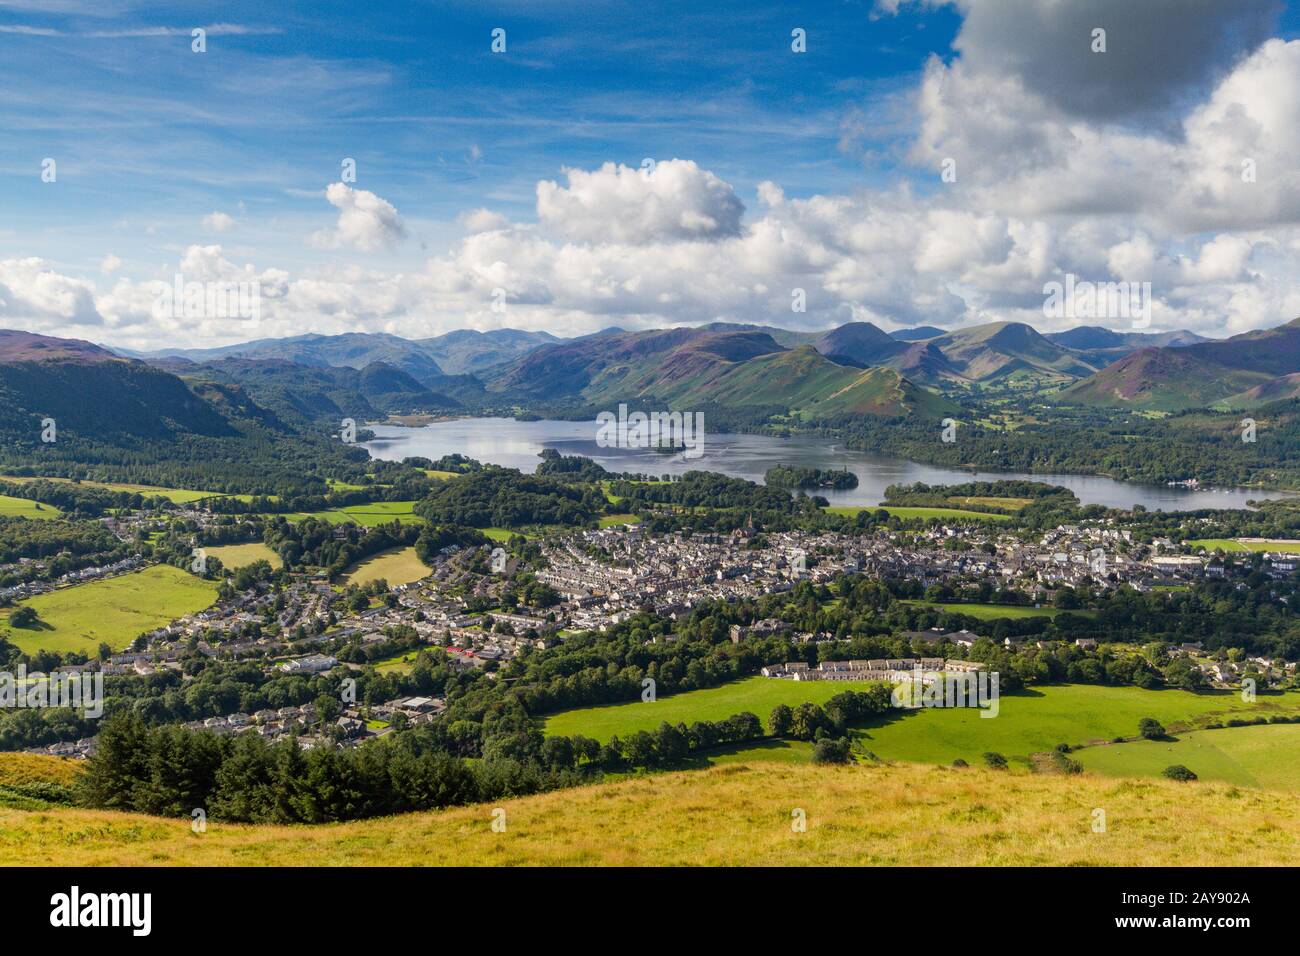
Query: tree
point(1179, 772)
point(829, 750)
point(779, 722)
point(328, 707)
point(1151, 729)
point(24, 616)
point(807, 719)
point(120, 762)
point(995, 760)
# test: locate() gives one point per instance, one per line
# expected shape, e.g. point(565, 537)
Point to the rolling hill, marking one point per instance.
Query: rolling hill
point(860, 344)
point(304, 393)
point(738, 814)
point(1095, 338)
point(1274, 390)
point(723, 367)
point(464, 352)
point(1000, 351)
point(1251, 368)
point(134, 421)
point(920, 333)
point(93, 393)
point(468, 351)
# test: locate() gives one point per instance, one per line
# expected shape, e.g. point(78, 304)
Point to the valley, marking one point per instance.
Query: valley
point(487, 604)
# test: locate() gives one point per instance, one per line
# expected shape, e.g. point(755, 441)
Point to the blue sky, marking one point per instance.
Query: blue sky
point(1120, 166)
point(150, 137)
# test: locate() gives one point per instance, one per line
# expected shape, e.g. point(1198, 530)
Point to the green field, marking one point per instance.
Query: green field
point(1007, 504)
point(115, 610)
point(368, 515)
point(608, 521)
point(398, 566)
point(505, 534)
point(22, 508)
point(723, 816)
point(1037, 720)
point(178, 495)
point(989, 612)
point(1262, 756)
point(234, 556)
point(397, 664)
point(908, 511)
point(1027, 722)
point(1233, 544)
point(755, 694)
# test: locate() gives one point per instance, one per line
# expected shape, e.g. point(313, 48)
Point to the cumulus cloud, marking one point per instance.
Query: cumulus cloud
point(109, 264)
point(366, 222)
point(1157, 52)
point(483, 220)
point(1226, 163)
point(218, 222)
point(34, 296)
point(1191, 186)
point(674, 199)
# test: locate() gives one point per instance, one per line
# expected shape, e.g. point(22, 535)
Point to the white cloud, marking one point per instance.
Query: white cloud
point(34, 296)
point(483, 220)
point(1049, 181)
point(673, 199)
point(109, 264)
point(366, 222)
point(218, 222)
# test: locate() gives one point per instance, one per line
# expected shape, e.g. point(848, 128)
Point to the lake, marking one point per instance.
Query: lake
point(516, 444)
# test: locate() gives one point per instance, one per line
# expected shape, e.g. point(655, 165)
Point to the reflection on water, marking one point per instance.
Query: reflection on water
point(516, 444)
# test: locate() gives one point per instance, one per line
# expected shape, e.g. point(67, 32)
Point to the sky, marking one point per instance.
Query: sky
point(381, 167)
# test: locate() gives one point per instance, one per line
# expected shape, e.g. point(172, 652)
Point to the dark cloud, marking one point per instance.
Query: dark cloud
point(1160, 54)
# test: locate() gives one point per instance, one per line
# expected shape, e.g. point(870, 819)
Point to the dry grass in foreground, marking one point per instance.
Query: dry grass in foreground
point(732, 815)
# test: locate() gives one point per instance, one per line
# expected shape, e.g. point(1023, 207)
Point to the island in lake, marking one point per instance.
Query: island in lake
point(785, 476)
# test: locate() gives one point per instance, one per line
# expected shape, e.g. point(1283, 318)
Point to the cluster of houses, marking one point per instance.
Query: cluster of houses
point(31, 588)
point(893, 670)
point(604, 576)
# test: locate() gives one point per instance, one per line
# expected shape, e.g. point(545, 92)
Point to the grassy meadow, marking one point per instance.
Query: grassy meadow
point(1028, 722)
point(11, 507)
point(917, 511)
point(1246, 544)
point(240, 555)
point(736, 815)
point(398, 566)
point(180, 496)
point(369, 515)
point(1036, 720)
point(113, 611)
point(1261, 756)
point(991, 612)
point(755, 694)
point(1005, 504)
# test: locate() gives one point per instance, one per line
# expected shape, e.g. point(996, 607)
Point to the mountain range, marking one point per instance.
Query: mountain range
point(298, 385)
point(1244, 371)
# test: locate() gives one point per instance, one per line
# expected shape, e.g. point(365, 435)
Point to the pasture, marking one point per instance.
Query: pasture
point(113, 611)
point(235, 556)
point(22, 508)
point(1246, 544)
point(728, 816)
point(991, 612)
point(1027, 722)
point(1259, 756)
point(398, 566)
point(907, 512)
